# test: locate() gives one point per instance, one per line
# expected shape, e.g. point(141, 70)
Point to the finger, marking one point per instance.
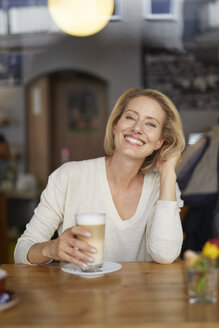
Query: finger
point(77, 230)
point(82, 256)
point(75, 241)
point(70, 254)
point(83, 246)
point(74, 255)
point(77, 248)
point(70, 259)
point(72, 238)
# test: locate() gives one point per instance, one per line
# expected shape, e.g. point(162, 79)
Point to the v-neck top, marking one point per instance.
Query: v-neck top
point(154, 232)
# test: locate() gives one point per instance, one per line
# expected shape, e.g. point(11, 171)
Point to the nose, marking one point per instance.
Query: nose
point(137, 126)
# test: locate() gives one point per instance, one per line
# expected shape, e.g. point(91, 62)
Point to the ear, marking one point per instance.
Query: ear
point(159, 143)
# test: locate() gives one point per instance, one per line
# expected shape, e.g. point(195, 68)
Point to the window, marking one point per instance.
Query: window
point(160, 9)
point(117, 13)
point(10, 69)
point(25, 16)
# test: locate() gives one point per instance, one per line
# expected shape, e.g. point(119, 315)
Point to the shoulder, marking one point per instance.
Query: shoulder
point(75, 169)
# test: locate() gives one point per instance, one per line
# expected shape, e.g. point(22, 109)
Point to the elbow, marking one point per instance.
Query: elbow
point(165, 254)
point(164, 259)
point(17, 259)
point(21, 250)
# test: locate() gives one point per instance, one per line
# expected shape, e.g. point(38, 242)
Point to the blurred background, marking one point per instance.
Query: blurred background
point(57, 90)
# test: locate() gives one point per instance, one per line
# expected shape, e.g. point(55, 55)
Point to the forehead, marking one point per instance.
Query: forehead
point(143, 100)
point(145, 103)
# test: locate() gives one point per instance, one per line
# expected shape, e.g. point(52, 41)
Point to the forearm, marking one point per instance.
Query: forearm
point(168, 185)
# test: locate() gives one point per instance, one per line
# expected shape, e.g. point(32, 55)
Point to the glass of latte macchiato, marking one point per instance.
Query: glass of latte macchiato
point(95, 224)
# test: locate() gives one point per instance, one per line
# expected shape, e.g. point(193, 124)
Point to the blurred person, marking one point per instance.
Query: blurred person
point(134, 184)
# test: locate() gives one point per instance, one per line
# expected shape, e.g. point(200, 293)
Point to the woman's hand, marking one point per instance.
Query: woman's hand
point(70, 248)
point(67, 247)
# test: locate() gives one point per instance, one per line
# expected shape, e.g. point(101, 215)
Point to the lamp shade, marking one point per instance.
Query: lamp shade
point(81, 17)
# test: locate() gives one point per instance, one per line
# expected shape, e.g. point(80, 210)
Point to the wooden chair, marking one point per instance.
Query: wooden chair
point(3, 229)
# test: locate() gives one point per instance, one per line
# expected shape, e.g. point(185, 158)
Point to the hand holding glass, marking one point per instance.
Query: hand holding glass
point(95, 224)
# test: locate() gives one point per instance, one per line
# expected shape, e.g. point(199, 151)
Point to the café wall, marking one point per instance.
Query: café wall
point(114, 55)
point(117, 63)
point(105, 61)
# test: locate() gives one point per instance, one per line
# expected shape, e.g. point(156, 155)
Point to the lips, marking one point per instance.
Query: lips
point(134, 141)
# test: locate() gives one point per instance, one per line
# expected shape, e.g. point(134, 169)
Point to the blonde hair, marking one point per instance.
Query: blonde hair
point(172, 131)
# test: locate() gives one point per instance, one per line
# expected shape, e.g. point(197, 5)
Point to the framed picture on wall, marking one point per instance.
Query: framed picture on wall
point(160, 9)
point(82, 111)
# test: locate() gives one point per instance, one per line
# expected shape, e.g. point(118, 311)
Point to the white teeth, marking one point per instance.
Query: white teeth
point(135, 141)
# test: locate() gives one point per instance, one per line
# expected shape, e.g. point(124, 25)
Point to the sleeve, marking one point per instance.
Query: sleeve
point(164, 234)
point(47, 217)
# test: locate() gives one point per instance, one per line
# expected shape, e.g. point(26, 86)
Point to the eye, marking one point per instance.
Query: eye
point(129, 117)
point(150, 124)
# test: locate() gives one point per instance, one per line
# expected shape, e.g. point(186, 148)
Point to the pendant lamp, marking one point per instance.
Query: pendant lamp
point(81, 17)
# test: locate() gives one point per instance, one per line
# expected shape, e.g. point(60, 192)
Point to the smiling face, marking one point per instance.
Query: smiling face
point(138, 132)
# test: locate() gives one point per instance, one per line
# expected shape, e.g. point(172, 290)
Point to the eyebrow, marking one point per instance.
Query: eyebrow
point(147, 117)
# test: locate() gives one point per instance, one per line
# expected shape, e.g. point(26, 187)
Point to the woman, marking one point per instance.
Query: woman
point(135, 185)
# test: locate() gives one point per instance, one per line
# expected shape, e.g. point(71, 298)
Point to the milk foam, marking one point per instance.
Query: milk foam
point(3, 273)
point(90, 218)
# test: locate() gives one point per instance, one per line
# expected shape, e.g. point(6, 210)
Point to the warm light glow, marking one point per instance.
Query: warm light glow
point(81, 17)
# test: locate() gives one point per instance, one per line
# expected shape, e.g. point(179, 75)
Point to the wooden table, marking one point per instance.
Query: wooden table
point(139, 295)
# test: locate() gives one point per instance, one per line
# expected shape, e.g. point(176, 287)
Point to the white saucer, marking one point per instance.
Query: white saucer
point(108, 267)
point(8, 299)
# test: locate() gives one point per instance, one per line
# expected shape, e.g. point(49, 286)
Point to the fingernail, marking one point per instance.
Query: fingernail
point(93, 250)
point(84, 266)
point(88, 234)
point(91, 259)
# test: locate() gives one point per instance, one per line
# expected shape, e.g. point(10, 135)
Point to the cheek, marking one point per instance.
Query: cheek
point(154, 136)
point(160, 142)
point(157, 139)
point(159, 135)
